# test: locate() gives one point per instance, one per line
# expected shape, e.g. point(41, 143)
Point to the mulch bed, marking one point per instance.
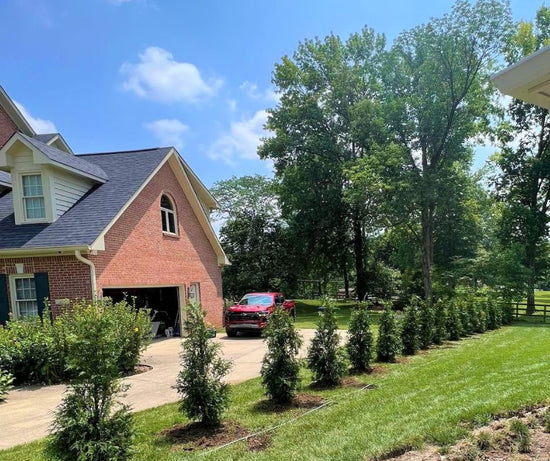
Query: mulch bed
point(195, 436)
point(300, 401)
point(138, 369)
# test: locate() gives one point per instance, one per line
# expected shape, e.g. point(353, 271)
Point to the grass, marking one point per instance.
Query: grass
point(307, 313)
point(424, 400)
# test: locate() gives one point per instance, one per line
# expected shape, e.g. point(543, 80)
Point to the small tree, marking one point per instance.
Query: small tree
point(90, 424)
point(281, 367)
point(409, 330)
point(426, 325)
point(204, 395)
point(440, 322)
point(360, 340)
point(388, 344)
point(325, 358)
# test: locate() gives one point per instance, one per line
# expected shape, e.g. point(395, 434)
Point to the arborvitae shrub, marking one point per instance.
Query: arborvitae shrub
point(410, 331)
point(90, 424)
point(388, 344)
point(426, 325)
point(204, 394)
point(440, 322)
point(325, 357)
point(454, 321)
point(467, 315)
point(360, 340)
point(479, 314)
point(281, 367)
point(493, 315)
point(507, 312)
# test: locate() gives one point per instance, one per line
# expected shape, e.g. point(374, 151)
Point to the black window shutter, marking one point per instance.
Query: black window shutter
point(4, 316)
point(42, 290)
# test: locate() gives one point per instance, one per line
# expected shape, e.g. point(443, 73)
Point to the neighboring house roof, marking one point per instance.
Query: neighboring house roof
point(76, 162)
point(528, 79)
point(84, 222)
point(5, 178)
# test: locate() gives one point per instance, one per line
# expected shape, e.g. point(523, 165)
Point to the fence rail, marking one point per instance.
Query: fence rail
point(537, 312)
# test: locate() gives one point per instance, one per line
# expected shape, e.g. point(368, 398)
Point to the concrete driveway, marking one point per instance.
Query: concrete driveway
point(28, 411)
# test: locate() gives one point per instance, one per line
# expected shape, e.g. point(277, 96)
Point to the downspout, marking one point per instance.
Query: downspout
point(89, 263)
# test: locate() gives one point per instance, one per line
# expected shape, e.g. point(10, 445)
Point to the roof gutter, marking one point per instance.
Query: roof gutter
point(89, 263)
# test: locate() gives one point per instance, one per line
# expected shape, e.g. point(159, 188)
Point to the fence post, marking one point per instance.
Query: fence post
point(517, 310)
point(544, 315)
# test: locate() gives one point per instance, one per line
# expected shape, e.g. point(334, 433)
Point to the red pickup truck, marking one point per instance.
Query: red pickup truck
point(252, 311)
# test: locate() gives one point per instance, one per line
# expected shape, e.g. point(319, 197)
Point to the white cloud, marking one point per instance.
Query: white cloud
point(168, 131)
point(39, 125)
point(232, 105)
point(252, 91)
point(159, 77)
point(242, 140)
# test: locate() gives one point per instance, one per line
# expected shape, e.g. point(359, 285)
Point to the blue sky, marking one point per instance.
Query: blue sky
point(129, 74)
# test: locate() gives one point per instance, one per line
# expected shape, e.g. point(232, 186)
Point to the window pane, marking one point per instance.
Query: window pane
point(164, 220)
point(32, 185)
point(27, 308)
point(171, 223)
point(34, 208)
point(166, 203)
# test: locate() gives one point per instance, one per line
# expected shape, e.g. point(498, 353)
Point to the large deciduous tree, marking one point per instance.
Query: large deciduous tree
point(524, 163)
point(439, 100)
point(327, 119)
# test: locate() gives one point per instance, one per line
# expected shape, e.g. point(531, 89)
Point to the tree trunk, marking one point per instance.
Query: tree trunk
point(427, 251)
point(361, 282)
point(531, 263)
point(346, 275)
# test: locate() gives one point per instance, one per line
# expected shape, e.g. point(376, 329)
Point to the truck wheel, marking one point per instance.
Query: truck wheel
point(231, 332)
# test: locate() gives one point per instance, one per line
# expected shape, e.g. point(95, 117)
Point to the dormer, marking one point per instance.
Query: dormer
point(46, 177)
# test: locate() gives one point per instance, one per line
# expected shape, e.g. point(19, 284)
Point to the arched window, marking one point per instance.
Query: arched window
point(168, 214)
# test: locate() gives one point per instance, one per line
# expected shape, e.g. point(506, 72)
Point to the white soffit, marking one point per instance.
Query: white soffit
point(528, 80)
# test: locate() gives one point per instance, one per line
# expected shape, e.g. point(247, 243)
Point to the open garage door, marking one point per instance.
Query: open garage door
point(164, 303)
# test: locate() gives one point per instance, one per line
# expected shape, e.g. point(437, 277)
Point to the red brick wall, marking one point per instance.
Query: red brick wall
point(138, 254)
point(7, 127)
point(68, 277)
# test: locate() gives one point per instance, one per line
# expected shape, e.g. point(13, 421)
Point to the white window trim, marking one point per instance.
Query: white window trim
point(164, 212)
point(23, 197)
point(13, 293)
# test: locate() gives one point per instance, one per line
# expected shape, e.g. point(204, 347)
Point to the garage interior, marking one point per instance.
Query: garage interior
point(163, 303)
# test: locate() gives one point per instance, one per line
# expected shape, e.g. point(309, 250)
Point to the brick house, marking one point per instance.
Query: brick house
point(105, 224)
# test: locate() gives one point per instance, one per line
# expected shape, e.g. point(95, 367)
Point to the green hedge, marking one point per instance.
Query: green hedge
point(35, 351)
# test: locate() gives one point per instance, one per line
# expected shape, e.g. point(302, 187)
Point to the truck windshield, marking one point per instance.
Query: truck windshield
point(257, 300)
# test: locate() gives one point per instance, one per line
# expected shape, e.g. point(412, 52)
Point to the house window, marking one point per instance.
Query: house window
point(24, 296)
point(33, 196)
point(168, 215)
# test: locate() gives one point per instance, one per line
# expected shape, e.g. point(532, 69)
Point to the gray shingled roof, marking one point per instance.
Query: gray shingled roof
point(67, 159)
point(5, 178)
point(45, 138)
point(83, 223)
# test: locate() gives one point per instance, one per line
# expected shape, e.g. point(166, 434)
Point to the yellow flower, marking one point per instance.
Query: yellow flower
point(136, 329)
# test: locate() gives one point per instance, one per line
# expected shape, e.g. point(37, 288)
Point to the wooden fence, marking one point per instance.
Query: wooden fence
point(539, 313)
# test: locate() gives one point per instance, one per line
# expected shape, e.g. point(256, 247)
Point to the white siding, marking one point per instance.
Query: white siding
point(67, 190)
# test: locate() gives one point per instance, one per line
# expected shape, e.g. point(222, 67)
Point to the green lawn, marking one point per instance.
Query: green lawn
point(307, 313)
point(425, 399)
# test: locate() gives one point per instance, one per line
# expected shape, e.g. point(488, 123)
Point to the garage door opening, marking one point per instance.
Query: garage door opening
point(163, 303)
